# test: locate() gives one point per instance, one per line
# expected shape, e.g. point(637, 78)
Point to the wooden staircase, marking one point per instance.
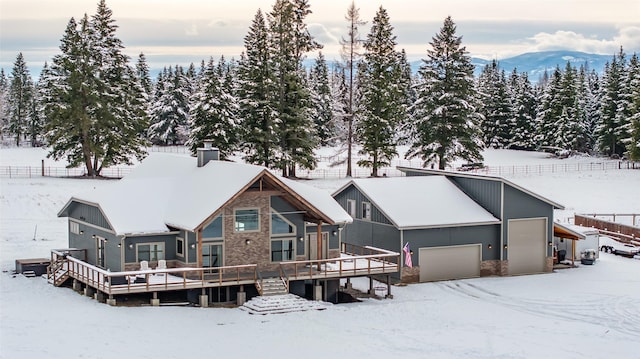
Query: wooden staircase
point(57, 272)
point(273, 286)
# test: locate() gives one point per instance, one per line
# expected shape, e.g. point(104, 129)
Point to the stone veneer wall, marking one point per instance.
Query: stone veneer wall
point(493, 267)
point(237, 252)
point(410, 275)
point(549, 265)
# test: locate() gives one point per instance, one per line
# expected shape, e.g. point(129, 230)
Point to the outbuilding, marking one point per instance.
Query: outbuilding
point(451, 225)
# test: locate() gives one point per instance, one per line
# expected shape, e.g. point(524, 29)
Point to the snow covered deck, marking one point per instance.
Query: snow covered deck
point(372, 261)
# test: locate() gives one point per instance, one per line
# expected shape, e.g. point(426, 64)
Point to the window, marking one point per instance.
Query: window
point(74, 227)
point(100, 254)
point(247, 220)
point(180, 247)
point(366, 210)
point(214, 229)
point(150, 252)
point(281, 250)
point(351, 207)
point(280, 225)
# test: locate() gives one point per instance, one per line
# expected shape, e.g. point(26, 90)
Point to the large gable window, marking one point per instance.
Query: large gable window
point(281, 225)
point(247, 220)
point(213, 229)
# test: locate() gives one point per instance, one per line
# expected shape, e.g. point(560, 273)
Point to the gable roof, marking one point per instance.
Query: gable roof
point(422, 202)
point(480, 176)
point(170, 190)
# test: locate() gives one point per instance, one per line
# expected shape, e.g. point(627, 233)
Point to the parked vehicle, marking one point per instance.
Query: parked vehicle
point(588, 256)
point(628, 250)
point(623, 249)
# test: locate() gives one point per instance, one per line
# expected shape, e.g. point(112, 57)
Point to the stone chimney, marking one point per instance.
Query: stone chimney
point(208, 153)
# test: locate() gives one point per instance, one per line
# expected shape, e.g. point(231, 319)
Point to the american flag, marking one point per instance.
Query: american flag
point(407, 255)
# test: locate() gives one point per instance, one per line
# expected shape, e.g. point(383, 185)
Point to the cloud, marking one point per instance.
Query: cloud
point(628, 37)
point(192, 31)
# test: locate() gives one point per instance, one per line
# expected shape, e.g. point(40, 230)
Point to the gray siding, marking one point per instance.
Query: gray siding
point(485, 192)
point(352, 193)
point(87, 242)
point(89, 214)
point(518, 204)
point(453, 236)
point(282, 207)
point(169, 241)
point(365, 233)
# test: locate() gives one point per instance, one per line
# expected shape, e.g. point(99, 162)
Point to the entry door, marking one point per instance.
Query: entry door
point(100, 252)
point(313, 245)
point(211, 255)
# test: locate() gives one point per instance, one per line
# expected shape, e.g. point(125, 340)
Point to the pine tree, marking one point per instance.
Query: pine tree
point(633, 144)
point(21, 93)
point(290, 40)
point(592, 109)
point(350, 53)
point(523, 101)
point(445, 116)
point(322, 101)
point(383, 95)
point(496, 107)
point(213, 111)
point(142, 72)
point(170, 109)
point(94, 103)
point(549, 110)
point(255, 95)
point(4, 104)
point(612, 111)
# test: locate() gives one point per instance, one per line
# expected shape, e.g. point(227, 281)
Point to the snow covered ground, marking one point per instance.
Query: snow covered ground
point(590, 311)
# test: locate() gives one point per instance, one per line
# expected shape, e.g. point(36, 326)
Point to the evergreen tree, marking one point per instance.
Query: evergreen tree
point(383, 95)
point(592, 109)
point(94, 103)
point(549, 110)
point(445, 116)
point(350, 52)
point(21, 93)
point(633, 144)
point(213, 113)
point(255, 95)
point(497, 123)
point(142, 72)
point(4, 104)
point(170, 109)
point(524, 112)
point(612, 111)
point(568, 133)
point(290, 40)
point(322, 101)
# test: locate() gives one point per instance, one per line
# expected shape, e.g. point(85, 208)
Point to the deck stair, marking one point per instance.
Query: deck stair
point(58, 272)
point(273, 286)
point(277, 304)
point(29, 274)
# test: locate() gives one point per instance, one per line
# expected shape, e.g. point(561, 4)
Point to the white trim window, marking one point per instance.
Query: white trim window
point(247, 220)
point(351, 207)
point(74, 227)
point(149, 251)
point(281, 226)
point(282, 249)
point(366, 211)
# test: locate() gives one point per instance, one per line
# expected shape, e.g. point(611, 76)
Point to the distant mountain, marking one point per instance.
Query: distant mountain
point(536, 63)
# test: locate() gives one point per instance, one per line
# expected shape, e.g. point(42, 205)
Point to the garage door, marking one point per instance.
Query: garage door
point(527, 243)
point(454, 262)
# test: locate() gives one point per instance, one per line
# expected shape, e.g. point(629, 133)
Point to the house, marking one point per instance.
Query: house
point(456, 225)
point(212, 228)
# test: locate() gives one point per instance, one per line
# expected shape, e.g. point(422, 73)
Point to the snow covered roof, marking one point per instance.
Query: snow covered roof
point(170, 190)
point(481, 176)
point(422, 202)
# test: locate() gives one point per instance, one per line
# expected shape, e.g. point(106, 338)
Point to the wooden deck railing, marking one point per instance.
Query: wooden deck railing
point(155, 279)
point(354, 261)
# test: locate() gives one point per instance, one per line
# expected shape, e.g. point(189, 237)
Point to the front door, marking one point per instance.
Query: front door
point(211, 255)
point(313, 245)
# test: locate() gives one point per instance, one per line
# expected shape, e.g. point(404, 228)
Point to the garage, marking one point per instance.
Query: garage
point(451, 262)
point(527, 243)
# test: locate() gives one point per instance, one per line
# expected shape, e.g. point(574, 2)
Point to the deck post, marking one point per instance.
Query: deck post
point(155, 301)
point(371, 291)
point(317, 291)
point(89, 292)
point(77, 285)
point(389, 295)
point(111, 301)
point(241, 296)
point(348, 284)
point(204, 299)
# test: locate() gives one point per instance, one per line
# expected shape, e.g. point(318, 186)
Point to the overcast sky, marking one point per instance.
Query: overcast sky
point(173, 32)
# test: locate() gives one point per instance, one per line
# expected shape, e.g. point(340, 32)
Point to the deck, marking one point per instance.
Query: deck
point(353, 262)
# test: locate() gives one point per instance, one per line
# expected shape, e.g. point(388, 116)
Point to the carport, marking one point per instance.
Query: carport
point(560, 231)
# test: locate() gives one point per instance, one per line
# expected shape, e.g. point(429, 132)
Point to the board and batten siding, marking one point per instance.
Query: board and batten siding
point(521, 205)
point(486, 193)
point(88, 214)
point(352, 193)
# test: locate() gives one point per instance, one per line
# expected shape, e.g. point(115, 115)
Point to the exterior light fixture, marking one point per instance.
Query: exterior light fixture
point(119, 245)
point(130, 245)
point(505, 246)
point(550, 243)
point(334, 233)
point(81, 232)
point(93, 236)
point(193, 246)
point(301, 239)
point(489, 246)
point(247, 241)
